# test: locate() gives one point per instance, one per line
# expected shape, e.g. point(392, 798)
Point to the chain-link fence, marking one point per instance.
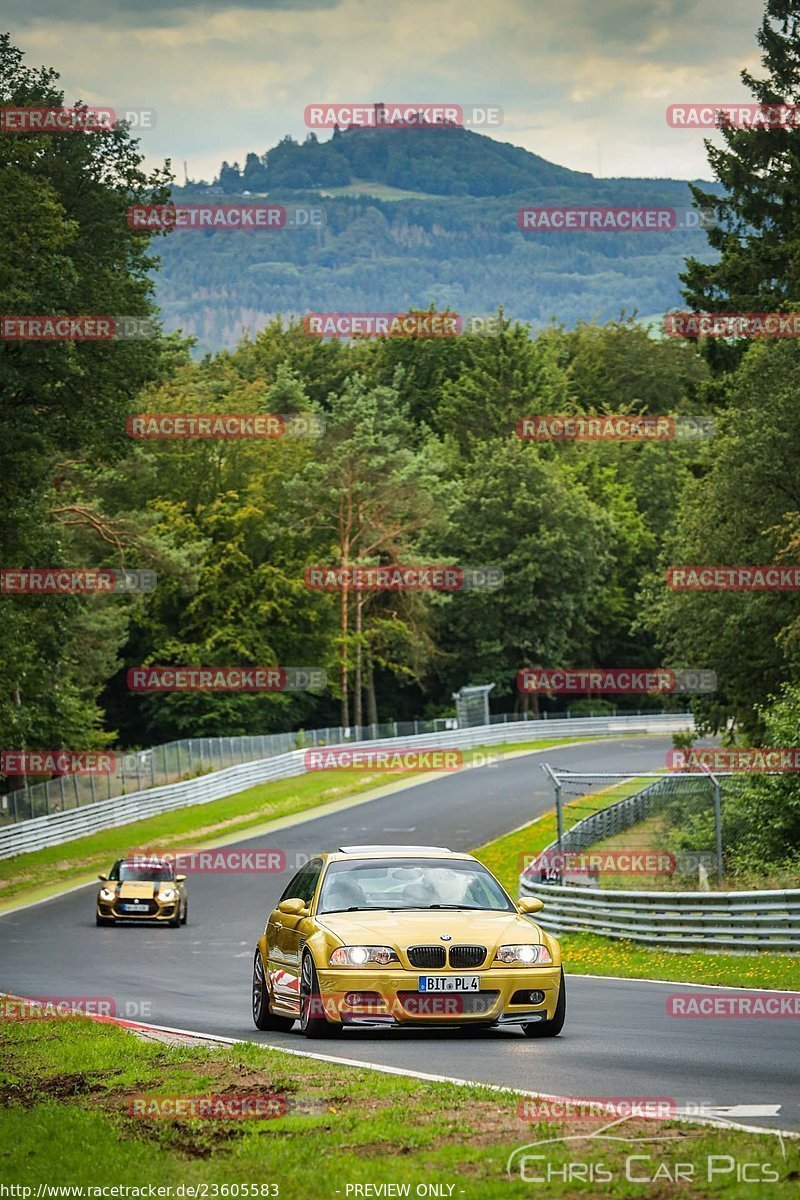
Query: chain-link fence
point(652, 831)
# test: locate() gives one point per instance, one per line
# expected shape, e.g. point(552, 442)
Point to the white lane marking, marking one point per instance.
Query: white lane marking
point(721, 987)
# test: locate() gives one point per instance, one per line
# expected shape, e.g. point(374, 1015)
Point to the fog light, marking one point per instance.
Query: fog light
point(361, 999)
point(523, 996)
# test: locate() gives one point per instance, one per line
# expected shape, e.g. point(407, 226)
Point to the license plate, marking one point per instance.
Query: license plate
point(136, 907)
point(449, 983)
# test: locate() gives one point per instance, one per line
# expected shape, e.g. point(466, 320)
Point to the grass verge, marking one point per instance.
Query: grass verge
point(42, 872)
point(66, 1086)
point(591, 954)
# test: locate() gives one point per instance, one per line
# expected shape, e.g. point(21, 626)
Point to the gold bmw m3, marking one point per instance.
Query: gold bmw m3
point(404, 936)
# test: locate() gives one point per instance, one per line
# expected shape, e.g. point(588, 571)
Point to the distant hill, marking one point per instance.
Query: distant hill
point(414, 217)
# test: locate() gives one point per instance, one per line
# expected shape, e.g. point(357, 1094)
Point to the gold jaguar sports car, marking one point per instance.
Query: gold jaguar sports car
point(404, 936)
point(134, 891)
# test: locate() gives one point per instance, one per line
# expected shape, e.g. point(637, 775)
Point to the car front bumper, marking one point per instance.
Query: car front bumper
point(113, 911)
point(391, 996)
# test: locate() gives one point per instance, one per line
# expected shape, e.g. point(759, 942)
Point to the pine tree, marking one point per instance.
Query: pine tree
point(757, 228)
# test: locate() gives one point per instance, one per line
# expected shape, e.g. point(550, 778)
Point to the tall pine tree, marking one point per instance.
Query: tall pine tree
point(758, 219)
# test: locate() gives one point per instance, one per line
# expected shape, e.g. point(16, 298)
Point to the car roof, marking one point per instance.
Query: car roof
point(349, 852)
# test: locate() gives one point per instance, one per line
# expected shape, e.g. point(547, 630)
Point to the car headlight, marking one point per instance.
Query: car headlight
point(166, 895)
point(107, 895)
point(361, 956)
point(527, 955)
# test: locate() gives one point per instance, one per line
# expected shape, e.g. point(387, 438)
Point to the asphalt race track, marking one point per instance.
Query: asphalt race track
point(618, 1040)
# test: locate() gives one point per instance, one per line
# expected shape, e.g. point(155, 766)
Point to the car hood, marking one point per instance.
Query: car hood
point(142, 890)
point(410, 928)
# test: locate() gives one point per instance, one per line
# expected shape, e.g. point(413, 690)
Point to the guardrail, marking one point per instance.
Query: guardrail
point(60, 827)
point(733, 921)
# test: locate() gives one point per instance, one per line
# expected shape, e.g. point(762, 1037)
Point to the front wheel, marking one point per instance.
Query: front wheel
point(313, 1021)
point(262, 1017)
point(551, 1028)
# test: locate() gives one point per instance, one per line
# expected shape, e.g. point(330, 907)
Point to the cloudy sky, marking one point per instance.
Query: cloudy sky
point(582, 82)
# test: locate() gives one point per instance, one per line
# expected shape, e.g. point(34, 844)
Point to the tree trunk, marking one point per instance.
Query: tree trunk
point(372, 704)
point(357, 716)
point(344, 632)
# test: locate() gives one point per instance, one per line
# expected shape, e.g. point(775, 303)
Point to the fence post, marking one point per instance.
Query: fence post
point(559, 817)
point(718, 822)
point(559, 813)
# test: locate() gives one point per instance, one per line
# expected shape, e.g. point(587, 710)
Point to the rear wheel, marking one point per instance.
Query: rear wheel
point(551, 1028)
point(313, 1021)
point(262, 1017)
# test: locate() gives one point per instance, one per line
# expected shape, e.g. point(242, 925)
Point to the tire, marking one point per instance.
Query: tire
point(540, 1029)
point(185, 916)
point(98, 920)
point(175, 922)
point(262, 1018)
point(313, 1027)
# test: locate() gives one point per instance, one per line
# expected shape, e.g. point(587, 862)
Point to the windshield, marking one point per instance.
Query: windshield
point(410, 883)
point(130, 873)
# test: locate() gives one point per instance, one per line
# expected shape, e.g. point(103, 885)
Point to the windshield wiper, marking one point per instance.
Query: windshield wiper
point(355, 908)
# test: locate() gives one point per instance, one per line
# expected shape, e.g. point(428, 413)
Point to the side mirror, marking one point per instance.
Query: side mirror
point(102, 878)
point(530, 905)
point(180, 879)
point(292, 908)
